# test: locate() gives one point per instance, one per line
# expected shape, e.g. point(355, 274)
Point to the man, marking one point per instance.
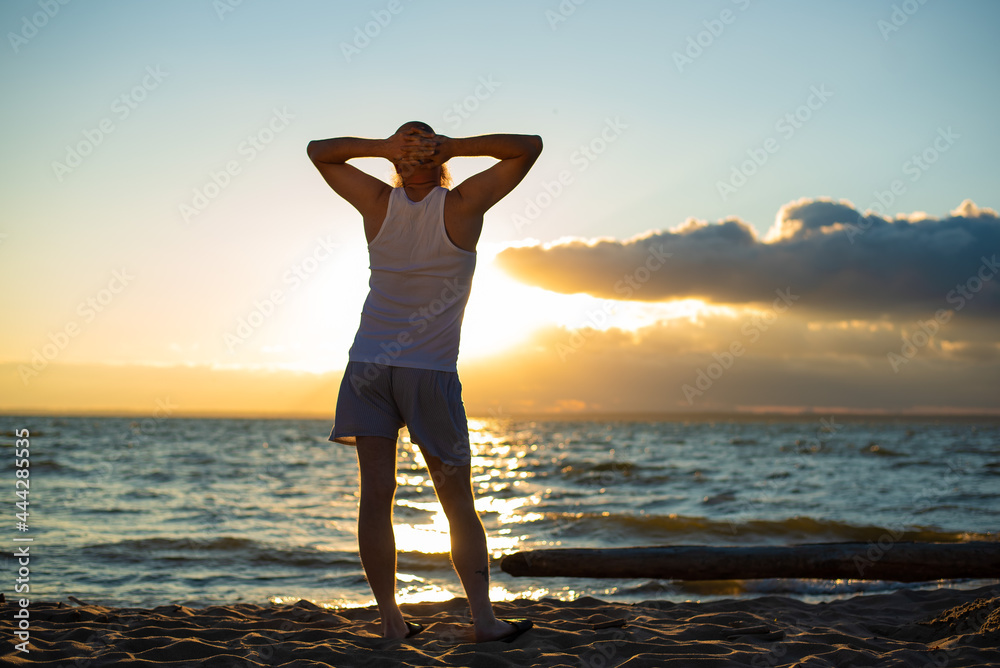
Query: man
point(402, 367)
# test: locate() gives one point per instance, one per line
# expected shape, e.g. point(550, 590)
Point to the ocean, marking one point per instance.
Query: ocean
point(144, 512)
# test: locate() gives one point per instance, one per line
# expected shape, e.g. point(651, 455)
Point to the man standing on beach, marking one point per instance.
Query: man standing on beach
point(402, 367)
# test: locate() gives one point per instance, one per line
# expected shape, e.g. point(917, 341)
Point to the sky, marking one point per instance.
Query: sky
point(741, 205)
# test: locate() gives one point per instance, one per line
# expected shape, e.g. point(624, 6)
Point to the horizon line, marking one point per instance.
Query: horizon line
point(574, 416)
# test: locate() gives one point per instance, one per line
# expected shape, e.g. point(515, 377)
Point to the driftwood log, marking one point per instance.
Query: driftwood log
point(900, 562)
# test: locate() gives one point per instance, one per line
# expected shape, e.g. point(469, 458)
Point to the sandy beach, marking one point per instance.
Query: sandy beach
point(944, 627)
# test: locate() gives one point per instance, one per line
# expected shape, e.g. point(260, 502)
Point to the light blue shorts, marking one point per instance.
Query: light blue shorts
point(378, 400)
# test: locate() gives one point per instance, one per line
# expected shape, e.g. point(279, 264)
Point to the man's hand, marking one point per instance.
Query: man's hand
point(439, 149)
point(413, 148)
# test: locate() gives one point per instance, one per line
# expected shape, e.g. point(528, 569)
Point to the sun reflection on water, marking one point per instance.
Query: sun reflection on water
point(497, 467)
point(432, 537)
point(424, 594)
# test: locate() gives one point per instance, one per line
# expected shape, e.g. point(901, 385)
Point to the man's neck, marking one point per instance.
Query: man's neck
point(418, 191)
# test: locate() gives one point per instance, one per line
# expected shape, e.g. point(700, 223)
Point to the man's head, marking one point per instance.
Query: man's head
point(437, 175)
point(420, 125)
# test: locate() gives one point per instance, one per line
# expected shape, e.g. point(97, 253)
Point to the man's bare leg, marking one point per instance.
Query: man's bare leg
point(376, 541)
point(468, 544)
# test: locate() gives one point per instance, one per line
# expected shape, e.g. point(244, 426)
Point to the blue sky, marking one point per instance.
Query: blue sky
point(678, 131)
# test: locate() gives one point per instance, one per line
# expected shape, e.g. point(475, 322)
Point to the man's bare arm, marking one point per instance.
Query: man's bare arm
point(516, 153)
point(360, 189)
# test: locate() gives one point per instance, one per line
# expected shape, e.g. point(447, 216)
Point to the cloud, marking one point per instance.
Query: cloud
point(835, 258)
point(793, 363)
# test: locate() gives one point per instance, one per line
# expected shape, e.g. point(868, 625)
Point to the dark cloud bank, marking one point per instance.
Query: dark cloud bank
point(827, 253)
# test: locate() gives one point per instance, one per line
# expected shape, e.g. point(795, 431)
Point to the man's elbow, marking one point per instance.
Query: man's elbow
point(535, 143)
point(312, 150)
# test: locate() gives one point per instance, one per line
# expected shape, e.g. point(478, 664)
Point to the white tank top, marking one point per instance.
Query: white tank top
point(419, 287)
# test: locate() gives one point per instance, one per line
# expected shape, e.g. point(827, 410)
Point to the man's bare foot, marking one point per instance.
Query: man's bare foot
point(394, 629)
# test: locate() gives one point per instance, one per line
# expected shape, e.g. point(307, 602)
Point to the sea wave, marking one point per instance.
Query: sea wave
point(639, 529)
point(246, 551)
